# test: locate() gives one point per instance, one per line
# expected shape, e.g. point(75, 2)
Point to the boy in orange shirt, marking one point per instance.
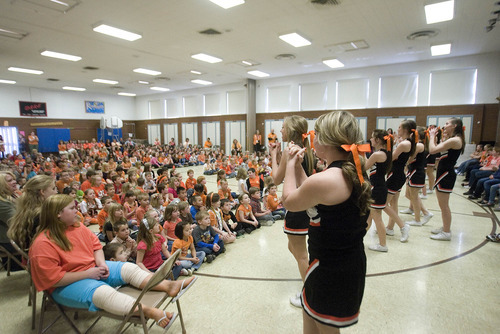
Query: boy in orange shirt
point(102, 216)
point(143, 200)
point(190, 182)
point(110, 192)
point(273, 203)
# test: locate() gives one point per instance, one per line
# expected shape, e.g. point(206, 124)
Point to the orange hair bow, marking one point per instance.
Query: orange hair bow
point(415, 132)
point(356, 149)
point(463, 128)
point(311, 134)
point(389, 142)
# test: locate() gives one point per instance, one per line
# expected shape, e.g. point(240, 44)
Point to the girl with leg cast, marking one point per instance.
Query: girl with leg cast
point(445, 176)
point(379, 163)
point(68, 261)
point(337, 200)
point(296, 223)
point(397, 178)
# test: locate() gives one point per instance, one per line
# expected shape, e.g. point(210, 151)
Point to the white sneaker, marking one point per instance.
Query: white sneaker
point(437, 230)
point(423, 196)
point(425, 218)
point(413, 222)
point(406, 211)
point(389, 231)
point(378, 248)
point(429, 191)
point(443, 236)
point(295, 300)
point(405, 233)
point(184, 272)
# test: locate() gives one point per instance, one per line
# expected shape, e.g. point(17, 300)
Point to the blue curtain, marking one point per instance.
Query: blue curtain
point(49, 138)
point(108, 133)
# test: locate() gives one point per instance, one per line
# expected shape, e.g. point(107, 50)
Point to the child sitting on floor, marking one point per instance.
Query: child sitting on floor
point(184, 242)
point(205, 237)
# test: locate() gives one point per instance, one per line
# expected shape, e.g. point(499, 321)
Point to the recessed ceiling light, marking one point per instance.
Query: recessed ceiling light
point(258, 74)
point(59, 55)
point(295, 39)
point(195, 72)
point(146, 71)
point(161, 89)
point(143, 82)
point(333, 63)
point(246, 62)
point(227, 3)
point(126, 94)
point(206, 58)
point(12, 33)
point(105, 81)
point(10, 82)
point(25, 70)
point(439, 12)
point(117, 32)
point(439, 50)
point(201, 82)
point(77, 89)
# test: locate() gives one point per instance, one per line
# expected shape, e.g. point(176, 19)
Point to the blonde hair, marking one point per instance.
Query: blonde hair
point(155, 200)
point(242, 174)
point(50, 222)
point(28, 207)
point(295, 126)
point(171, 182)
point(339, 128)
point(5, 193)
point(111, 211)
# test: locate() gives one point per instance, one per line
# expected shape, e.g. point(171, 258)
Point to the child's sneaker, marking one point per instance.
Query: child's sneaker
point(184, 272)
point(443, 236)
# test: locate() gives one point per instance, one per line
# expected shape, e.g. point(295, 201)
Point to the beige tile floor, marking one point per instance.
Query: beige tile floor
point(423, 286)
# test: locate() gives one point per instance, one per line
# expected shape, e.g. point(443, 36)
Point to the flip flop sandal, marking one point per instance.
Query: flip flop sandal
point(170, 322)
point(183, 290)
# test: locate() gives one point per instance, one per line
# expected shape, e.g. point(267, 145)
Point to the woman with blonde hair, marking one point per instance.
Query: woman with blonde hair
point(294, 131)
point(67, 260)
point(8, 187)
point(24, 224)
point(337, 201)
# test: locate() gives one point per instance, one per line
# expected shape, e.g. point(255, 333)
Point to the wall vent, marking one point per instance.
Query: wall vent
point(422, 34)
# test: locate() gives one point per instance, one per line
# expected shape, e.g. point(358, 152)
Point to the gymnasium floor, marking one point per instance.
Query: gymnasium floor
point(423, 286)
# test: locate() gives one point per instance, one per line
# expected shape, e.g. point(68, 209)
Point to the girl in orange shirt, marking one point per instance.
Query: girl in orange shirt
point(216, 221)
point(190, 262)
point(245, 216)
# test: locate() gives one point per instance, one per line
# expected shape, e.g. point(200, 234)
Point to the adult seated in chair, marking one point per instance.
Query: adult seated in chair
point(68, 261)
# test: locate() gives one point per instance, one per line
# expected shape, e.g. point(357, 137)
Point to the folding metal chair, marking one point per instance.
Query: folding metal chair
point(145, 296)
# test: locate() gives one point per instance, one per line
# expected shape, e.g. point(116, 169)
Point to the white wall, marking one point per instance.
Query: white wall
point(189, 103)
point(488, 81)
point(64, 104)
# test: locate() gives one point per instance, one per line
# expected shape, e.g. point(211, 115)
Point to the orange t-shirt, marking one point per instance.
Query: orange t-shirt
point(190, 183)
point(183, 245)
point(246, 212)
point(99, 191)
point(33, 140)
point(255, 182)
point(257, 138)
point(60, 184)
point(226, 194)
point(140, 212)
point(49, 263)
point(85, 185)
point(272, 202)
point(213, 218)
point(101, 219)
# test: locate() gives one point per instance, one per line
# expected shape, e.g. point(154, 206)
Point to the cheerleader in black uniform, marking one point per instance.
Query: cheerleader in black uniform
point(379, 163)
point(416, 180)
point(445, 176)
point(397, 177)
point(431, 161)
point(296, 223)
point(337, 200)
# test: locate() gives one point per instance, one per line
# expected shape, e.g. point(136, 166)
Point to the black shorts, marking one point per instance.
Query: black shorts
point(379, 196)
point(296, 223)
point(395, 182)
point(332, 294)
point(431, 159)
point(416, 179)
point(445, 182)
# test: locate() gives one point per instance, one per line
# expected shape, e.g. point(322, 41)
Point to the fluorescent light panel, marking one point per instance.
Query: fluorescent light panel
point(117, 32)
point(105, 81)
point(160, 89)
point(143, 82)
point(76, 89)
point(439, 50)
point(439, 12)
point(295, 39)
point(60, 2)
point(59, 55)
point(333, 63)
point(227, 3)
point(126, 94)
point(146, 71)
point(206, 58)
point(195, 72)
point(10, 82)
point(8, 32)
point(25, 70)
point(259, 74)
point(201, 82)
